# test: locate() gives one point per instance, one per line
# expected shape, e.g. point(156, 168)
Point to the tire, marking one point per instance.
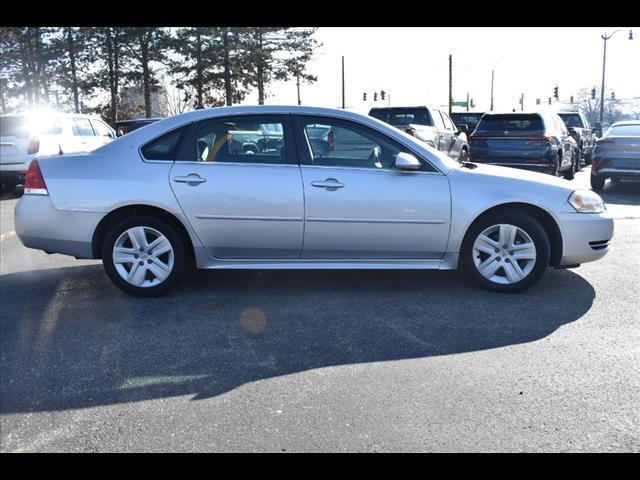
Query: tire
point(8, 186)
point(532, 268)
point(170, 265)
point(587, 158)
point(555, 170)
point(597, 182)
point(464, 156)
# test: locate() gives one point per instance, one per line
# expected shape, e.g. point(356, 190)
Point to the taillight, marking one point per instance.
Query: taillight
point(603, 140)
point(34, 181)
point(411, 131)
point(33, 145)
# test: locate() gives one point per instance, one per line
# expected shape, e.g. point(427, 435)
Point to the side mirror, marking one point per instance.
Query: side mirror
point(463, 128)
point(406, 161)
point(120, 132)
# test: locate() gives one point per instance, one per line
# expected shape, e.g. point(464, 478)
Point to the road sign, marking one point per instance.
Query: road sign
point(459, 104)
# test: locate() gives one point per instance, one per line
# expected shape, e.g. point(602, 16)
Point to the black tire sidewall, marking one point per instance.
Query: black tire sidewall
point(519, 219)
point(179, 252)
point(597, 182)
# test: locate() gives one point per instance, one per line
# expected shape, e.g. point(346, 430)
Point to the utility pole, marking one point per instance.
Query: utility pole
point(522, 102)
point(3, 85)
point(606, 37)
point(467, 101)
point(492, 72)
point(298, 85)
point(343, 82)
point(450, 86)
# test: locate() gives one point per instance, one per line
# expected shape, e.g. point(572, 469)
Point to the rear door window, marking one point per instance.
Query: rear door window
point(82, 128)
point(165, 147)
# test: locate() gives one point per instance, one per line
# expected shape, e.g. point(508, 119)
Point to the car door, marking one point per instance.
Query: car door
point(454, 149)
point(358, 206)
point(242, 203)
point(85, 137)
point(104, 133)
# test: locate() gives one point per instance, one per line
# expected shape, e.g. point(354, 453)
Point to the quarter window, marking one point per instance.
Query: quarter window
point(101, 128)
point(240, 140)
point(165, 147)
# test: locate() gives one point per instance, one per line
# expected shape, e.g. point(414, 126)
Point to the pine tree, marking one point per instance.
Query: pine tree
point(278, 53)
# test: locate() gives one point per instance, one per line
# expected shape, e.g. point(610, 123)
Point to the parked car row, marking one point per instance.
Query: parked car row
point(557, 144)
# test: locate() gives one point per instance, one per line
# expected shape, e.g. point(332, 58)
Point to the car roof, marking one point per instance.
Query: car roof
point(626, 122)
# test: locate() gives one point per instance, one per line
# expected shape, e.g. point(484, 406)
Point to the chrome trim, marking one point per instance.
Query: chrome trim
point(372, 220)
point(250, 217)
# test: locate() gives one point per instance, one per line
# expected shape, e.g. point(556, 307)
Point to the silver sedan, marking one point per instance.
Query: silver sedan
point(299, 188)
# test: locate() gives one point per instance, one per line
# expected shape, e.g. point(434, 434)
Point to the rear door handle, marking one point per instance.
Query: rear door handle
point(329, 184)
point(191, 179)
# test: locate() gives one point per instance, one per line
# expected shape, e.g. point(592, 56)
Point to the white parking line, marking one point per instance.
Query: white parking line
point(4, 236)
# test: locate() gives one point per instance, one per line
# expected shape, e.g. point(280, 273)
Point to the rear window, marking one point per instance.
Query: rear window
point(510, 124)
point(571, 120)
point(23, 126)
point(624, 131)
point(466, 118)
point(402, 116)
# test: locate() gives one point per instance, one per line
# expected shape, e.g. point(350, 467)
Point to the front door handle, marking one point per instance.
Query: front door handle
point(330, 184)
point(191, 179)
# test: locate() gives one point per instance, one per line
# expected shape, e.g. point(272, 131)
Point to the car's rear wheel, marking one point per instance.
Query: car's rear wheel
point(144, 256)
point(597, 182)
point(8, 186)
point(555, 169)
point(570, 173)
point(506, 251)
point(464, 156)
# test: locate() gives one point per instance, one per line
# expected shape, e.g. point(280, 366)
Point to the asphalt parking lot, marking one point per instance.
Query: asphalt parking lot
point(321, 360)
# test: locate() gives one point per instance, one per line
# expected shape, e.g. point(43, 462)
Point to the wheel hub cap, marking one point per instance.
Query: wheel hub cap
point(504, 254)
point(143, 256)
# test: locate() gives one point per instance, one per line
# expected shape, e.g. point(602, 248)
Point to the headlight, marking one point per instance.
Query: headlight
point(586, 201)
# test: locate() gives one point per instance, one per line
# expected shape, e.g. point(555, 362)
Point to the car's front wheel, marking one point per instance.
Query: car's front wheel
point(506, 251)
point(144, 256)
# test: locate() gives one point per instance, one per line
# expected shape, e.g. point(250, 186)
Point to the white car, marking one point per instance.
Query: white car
point(27, 135)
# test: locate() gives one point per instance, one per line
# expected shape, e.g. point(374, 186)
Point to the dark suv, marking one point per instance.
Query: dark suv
point(534, 141)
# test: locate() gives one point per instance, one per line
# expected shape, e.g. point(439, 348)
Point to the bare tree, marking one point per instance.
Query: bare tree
point(177, 100)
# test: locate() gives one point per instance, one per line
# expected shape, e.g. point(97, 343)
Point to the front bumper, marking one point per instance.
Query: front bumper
point(41, 226)
point(585, 236)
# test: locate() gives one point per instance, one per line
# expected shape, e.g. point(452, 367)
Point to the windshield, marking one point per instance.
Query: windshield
point(510, 124)
point(402, 116)
point(572, 120)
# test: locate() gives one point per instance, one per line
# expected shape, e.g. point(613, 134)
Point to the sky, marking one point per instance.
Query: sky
point(411, 64)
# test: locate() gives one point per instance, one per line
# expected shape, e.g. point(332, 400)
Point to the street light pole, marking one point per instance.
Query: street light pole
point(492, 72)
point(606, 37)
point(343, 82)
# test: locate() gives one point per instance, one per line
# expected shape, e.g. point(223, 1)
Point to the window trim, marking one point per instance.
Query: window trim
point(305, 153)
point(190, 146)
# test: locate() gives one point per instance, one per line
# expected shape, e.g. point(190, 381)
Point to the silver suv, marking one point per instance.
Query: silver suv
point(28, 135)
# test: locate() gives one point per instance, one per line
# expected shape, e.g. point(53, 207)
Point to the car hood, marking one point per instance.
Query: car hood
point(518, 175)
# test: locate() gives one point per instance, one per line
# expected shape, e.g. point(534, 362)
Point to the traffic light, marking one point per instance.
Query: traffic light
point(555, 93)
point(382, 94)
point(375, 96)
point(537, 101)
point(472, 104)
point(571, 99)
point(364, 96)
point(593, 93)
point(549, 100)
point(613, 95)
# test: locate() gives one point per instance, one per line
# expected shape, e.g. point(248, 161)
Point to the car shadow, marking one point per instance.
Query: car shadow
point(621, 193)
point(72, 340)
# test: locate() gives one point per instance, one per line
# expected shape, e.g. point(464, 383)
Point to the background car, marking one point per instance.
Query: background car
point(25, 136)
point(125, 126)
point(432, 126)
point(470, 119)
point(148, 205)
point(534, 141)
point(581, 132)
point(617, 154)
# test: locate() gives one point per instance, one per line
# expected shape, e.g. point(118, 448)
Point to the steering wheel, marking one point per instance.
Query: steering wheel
point(375, 157)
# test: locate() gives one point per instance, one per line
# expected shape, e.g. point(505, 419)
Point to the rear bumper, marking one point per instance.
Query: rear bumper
point(41, 226)
point(616, 167)
point(585, 236)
